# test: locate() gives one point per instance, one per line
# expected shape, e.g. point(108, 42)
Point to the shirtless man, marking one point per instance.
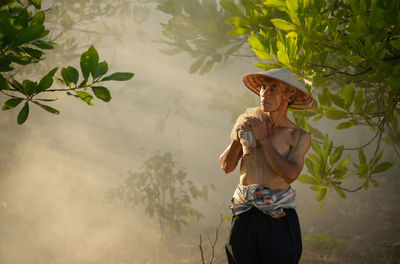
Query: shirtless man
point(265, 227)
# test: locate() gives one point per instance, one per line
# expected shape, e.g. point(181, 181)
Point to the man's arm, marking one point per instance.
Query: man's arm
point(231, 156)
point(289, 169)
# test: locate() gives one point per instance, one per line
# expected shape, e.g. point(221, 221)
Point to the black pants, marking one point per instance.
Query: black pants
point(257, 238)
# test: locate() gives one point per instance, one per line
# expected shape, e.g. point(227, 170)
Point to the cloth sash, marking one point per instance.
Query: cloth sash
point(269, 201)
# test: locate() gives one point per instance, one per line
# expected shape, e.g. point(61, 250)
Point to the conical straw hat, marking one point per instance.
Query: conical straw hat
point(253, 81)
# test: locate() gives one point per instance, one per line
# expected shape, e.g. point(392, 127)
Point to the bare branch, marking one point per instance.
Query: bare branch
point(201, 251)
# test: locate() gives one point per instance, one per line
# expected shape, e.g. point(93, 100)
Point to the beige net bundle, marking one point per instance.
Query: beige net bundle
point(246, 137)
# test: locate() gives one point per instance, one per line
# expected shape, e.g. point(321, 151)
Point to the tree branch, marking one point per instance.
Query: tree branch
point(338, 71)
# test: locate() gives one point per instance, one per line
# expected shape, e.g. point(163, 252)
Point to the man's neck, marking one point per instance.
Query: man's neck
point(277, 118)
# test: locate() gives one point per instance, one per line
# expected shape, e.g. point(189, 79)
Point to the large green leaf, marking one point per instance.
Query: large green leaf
point(29, 87)
point(93, 61)
point(34, 53)
point(336, 154)
point(38, 18)
point(347, 124)
point(70, 75)
point(84, 63)
point(283, 24)
point(29, 34)
point(321, 195)
point(47, 108)
point(11, 103)
point(85, 96)
point(335, 115)
point(102, 93)
point(381, 167)
point(102, 69)
point(307, 179)
point(23, 114)
point(347, 93)
point(118, 76)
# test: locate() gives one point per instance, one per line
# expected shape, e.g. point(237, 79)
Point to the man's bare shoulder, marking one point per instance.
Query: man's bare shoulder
point(298, 135)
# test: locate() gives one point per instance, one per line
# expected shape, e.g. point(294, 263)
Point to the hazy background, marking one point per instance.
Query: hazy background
point(55, 171)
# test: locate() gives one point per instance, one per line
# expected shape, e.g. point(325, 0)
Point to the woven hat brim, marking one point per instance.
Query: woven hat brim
point(253, 81)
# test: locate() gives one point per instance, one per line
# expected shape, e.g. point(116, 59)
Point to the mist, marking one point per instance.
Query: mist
point(56, 170)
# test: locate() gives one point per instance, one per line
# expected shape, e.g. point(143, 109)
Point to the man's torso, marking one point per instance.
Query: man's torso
point(254, 167)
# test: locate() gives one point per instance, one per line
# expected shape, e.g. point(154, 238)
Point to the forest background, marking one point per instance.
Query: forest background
point(167, 126)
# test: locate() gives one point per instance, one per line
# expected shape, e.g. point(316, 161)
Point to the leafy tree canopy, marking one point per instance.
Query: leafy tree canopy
point(347, 53)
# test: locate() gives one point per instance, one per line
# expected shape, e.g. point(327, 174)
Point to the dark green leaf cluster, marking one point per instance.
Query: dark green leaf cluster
point(21, 34)
point(164, 191)
point(21, 42)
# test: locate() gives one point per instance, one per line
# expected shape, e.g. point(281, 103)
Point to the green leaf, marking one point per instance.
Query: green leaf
point(283, 24)
point(93, 60)
point(321, 195)
point(340, 192)
point(348, 124)
point(338, 173)
point(395, 44)
point(23, 114)
point(227, 218)
point(336, 154)
point(47, 108)
point(315, 146)
point(85, 96)
point(280, 4)
point(36, 3)
point(282, 55)
point(11, 103)
point(70, 75)
point(84, 63)
point(237, 22)
point(307, 179)
point(239, 31)
point(102, 93)
point(102, 69)
point(38, 18)
point(353, 59)
point(343, 163)
point(46, 45)
point(347, 93)
point(335, 115)
point(34, 53)
point(231, 6)
point(28, 87)
point(118, 76)
point(381, 167)
point(29, 34)
point(337, 100)
point(361, 155)
point(196, 65)
point(3, 83)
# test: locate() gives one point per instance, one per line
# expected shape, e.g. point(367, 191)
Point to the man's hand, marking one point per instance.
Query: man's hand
point(258, 127)
point(242, 125)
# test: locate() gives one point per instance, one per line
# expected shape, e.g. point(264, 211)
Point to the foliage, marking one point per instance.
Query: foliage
point(22, 34)
point(326, 243)
point(198, 28)
point(162, 187)
point(348, 54)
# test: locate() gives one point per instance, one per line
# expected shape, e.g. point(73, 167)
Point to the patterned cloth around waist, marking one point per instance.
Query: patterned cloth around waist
point(269, 201)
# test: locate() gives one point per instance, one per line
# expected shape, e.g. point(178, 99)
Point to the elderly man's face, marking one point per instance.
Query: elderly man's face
point(271, 95)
